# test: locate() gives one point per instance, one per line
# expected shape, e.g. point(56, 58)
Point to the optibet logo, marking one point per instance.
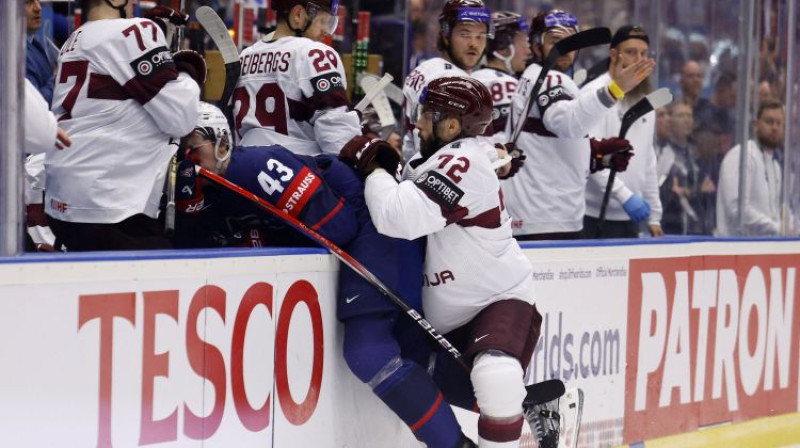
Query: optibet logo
point(710, 340)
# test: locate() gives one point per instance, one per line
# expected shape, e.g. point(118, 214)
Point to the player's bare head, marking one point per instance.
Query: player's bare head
point(466, 25)
point(510, 41)
point(547, 29)
point(209, 142)
point(451, 108)
point(313, 19)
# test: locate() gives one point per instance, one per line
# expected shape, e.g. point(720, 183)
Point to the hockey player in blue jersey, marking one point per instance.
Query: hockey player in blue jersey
point(327, 195)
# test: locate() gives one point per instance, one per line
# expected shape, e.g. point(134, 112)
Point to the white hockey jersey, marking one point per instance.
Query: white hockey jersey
point(124, 104)
point(471, 258)
point(640, 178)
point(417, 80)
point(548, 193)
point(293, 92)
point(502, 87)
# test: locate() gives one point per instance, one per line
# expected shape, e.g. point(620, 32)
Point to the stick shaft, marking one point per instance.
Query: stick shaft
point(339, 253)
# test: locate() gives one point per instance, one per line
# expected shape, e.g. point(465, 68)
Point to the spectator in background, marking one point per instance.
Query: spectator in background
point(761, 214)
point(38, 68)
point(717, 115)
point(634, 194)
point(678, 172)
point(692, 85)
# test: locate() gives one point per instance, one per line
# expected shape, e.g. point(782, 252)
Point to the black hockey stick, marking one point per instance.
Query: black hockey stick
point(339, 253)
point(651, 102)
point(578, 41)
point(218, 32)
point(595, 71)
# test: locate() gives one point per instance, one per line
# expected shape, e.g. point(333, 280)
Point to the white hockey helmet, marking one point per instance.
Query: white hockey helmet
point(213, 126)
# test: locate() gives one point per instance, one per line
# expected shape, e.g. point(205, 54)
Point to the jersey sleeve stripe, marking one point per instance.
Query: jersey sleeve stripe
point(536, 126)
point(450, 216)
point(489, 219)
point(329, 100)
point(299, 111)
point(104, 87)
point(145, 89)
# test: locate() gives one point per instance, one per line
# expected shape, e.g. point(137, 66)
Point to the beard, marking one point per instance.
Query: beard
point(638, 92)
point(767, 141)
point(427, 147)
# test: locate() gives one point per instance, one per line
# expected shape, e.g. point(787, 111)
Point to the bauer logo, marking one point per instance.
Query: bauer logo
point(710, 339)
point(327, 82)
point(152, 62)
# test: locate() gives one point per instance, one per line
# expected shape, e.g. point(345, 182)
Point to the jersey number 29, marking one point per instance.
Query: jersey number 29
point(270, 108)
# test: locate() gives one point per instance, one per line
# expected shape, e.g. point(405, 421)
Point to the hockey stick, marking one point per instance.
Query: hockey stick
point(373, 92)
point(339, 253)
point(218, 32)
point(578, 41)
point(654, 100)
point(172, 169)
point(595, 71)
point(394, 93)
point(381, 105)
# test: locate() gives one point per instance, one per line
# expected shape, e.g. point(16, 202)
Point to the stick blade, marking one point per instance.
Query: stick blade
point(589, 38)
point(218, 32)
point(543, 392)
point(659, 98)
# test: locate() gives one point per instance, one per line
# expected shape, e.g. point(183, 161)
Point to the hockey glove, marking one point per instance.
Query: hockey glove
point(189, 196)
point(192, 63)
point(610, 153)
point(167, 19)
point(518, 159)
point(366, 155)
point(637, 208)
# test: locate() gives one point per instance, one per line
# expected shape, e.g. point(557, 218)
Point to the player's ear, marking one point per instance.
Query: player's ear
point(297, 16)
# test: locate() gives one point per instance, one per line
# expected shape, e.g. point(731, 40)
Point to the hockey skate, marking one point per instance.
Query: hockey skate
point(553, 415)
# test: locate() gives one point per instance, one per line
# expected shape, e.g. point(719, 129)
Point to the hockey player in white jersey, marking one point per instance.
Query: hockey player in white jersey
point(465, 27)
point(547, 198)
point(507, 54)
point(293, 89)
point(477, 282)
point(125, 100)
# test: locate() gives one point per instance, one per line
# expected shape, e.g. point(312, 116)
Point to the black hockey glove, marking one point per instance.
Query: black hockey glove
point(190, 62)
point(366, 155)
point(518, 159)
point(611, 152)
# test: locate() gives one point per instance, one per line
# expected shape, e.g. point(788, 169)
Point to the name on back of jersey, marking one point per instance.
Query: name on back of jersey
point(266, 62)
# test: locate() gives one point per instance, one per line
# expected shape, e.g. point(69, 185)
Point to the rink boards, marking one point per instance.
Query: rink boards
point(675, 344)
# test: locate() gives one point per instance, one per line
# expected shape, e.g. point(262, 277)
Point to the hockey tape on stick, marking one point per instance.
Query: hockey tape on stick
point(379, 102)
point(169, 211)
point(394, 93)
point(579, 77)
point(499, 163)
point(373, 92)
point(339, 253)
point(578, 41)
point(644, 106)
